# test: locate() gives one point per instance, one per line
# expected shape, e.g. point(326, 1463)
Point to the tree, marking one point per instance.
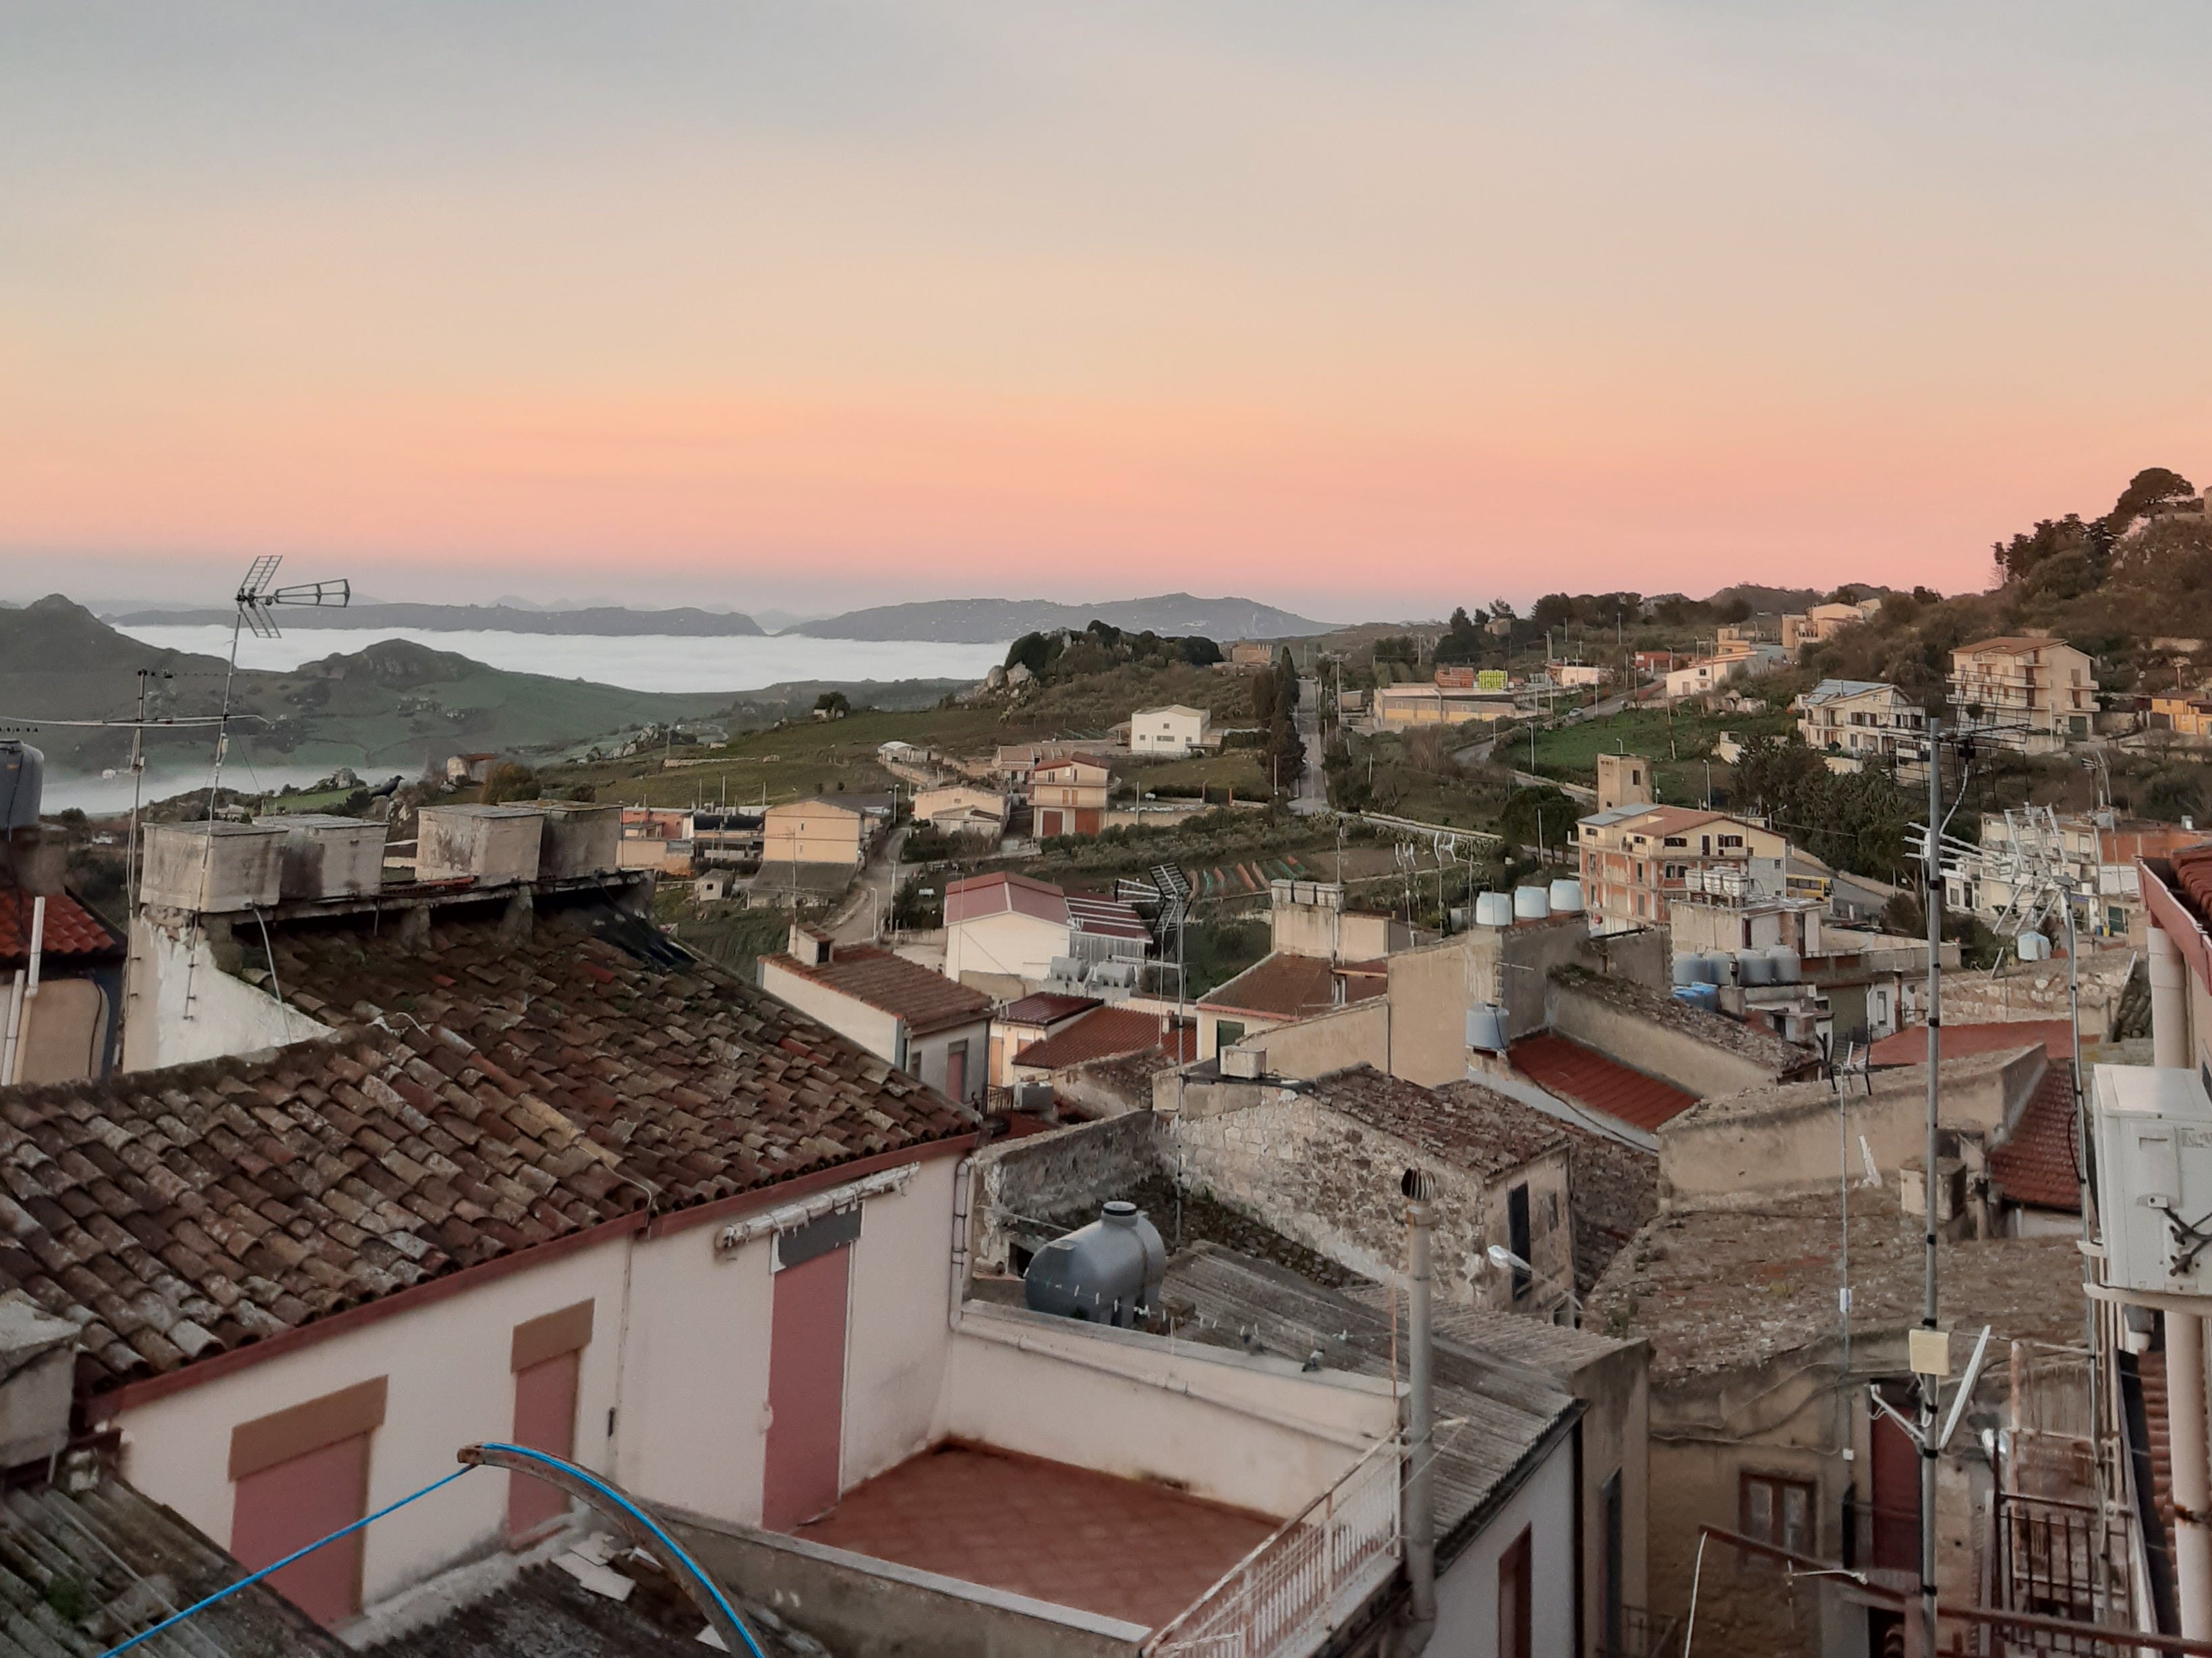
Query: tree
point(1733, 608)
point(832, 705)
point(1553, 609)
point(1541, 817)
point(2153, 486)
point(1462, 640)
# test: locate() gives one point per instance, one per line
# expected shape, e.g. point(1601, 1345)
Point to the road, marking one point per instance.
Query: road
point(863, 917)
point(1312, 795)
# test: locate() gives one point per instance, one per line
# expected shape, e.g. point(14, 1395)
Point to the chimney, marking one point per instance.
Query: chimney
point(1419, 1521)
point(811, 946)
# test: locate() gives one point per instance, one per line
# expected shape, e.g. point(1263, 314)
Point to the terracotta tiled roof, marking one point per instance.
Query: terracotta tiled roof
point(1107, 1032)
point(481, 1098)
point(1287, 986)
point(926, 1001)
point(1465, 1125)
point(1574, 1072)
point(1910, 1047)
point(2037, 1164)
point(71, 929)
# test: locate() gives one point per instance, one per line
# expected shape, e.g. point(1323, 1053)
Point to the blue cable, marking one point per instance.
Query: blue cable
point(596, 1483)
point(244, 1582)
point(649, 1523)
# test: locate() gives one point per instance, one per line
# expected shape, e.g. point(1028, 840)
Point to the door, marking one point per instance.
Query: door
point(806, 1389)
point(287, 1506)
point(1896, 1496)
point(544, 1420)
point(1515, 1589)
point(956, 1071)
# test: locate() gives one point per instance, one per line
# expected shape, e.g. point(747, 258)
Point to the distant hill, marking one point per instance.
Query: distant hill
point(611, 620)
point(395, 705)
point(990, 621)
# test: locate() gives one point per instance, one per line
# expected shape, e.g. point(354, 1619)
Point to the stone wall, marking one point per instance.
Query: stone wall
point(1331, 1183)
point(1017, 1184)
point(2038, 990)
point(1670, 1053)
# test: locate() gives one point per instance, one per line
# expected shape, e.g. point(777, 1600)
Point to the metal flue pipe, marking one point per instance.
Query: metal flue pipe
point(1420, 1522)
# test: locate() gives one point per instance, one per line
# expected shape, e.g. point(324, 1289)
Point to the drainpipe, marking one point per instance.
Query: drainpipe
point(1420, 1522)
point(2192, 1478)
point(14, 1025)
point(19, 999)
point(2169, 1004)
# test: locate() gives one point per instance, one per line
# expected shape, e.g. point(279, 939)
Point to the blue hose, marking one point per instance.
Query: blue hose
point(175, 1618)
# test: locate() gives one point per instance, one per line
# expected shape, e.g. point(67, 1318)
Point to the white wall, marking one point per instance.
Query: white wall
point(1008, 942)
point(1467, 1590)
point(870, 1026)
point(1250, 1431)
point(223, 1016)
point(450, 1385)
point(926, 1058)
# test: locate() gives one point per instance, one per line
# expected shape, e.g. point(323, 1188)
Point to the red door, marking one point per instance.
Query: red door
point(544, 1420)
point(806, 1391)
point(288, 1506)
point(1896, 1498)
point(956, 1071)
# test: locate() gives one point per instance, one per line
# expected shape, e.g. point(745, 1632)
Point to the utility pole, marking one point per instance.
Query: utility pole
point(1932, 876)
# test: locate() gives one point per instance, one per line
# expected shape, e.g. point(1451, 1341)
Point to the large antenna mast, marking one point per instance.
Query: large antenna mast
point(257, 599)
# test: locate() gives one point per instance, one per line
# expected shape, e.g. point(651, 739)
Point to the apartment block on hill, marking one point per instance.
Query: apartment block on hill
point(2031, 693)
point(1068, 797)
point(1634, 859)
point(1861, 720)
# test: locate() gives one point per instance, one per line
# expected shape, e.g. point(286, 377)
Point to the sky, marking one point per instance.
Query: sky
point(1364, 307)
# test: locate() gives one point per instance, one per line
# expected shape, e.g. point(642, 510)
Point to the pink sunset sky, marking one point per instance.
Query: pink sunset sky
point(1365, 309)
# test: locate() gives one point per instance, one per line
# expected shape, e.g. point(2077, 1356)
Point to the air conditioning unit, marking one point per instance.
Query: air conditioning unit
point(2154, 1179)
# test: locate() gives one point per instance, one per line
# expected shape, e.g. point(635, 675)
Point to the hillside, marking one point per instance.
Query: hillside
point(988, 621)
point(393, 705)
point(610, 620)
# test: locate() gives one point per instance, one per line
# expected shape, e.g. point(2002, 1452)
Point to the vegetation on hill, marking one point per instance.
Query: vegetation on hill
point(1072, 654)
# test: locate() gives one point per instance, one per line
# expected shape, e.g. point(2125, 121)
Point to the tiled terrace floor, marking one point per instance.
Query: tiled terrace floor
point(1121, 1548)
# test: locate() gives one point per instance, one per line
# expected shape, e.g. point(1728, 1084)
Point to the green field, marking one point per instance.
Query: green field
point(1236, 769)
point(1678, 746)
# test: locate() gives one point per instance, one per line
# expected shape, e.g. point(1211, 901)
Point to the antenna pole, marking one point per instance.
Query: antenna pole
point(223, 725)
point(1929, 1386)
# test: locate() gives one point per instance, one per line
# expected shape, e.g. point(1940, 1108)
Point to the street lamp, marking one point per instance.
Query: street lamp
point(1506, 1261)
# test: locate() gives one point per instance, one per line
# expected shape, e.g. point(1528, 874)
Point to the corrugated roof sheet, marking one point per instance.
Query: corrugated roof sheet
point(485, 1096)
point(925, 1000)
point(1588, 1078)
point(120, 1562)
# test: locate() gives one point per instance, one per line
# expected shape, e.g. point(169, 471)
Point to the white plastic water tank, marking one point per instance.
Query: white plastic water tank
point(1567, 897)
point(2033, 947)
point(1785, 964)
point(1531, 903)
point(1493, 909)
point(1486, 1028)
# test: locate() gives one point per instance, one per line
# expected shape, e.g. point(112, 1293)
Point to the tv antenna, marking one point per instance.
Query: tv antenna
point(257, 599)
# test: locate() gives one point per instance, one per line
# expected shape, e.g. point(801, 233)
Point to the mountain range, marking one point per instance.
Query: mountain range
point(987, 621)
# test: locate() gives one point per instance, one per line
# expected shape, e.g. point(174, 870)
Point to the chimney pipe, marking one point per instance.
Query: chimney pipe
point(1419, 1521)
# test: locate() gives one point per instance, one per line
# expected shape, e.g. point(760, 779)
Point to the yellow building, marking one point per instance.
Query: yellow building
point(814, 831)
point(1401, 707)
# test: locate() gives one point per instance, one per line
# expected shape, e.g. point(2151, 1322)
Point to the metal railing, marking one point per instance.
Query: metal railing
point(1643, 1635)
point(1286, 1597)
point(2063, 1559)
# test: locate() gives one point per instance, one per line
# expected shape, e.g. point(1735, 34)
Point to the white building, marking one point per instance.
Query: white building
point(1171, 731)
point(1003, 932)
point(1860, 719)
point(930, 1026)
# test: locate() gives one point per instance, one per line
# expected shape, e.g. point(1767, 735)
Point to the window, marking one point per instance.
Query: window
point(1516, 1234)
point(1728, 841)
point(1227, 1033)
point(1515, 1582)
point(1775, 1509)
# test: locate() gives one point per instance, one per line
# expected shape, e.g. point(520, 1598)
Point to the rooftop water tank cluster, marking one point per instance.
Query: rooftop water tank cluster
point(1107, 1272)
point(1526, 904)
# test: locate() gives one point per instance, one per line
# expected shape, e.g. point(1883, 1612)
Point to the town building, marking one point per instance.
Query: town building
point(61, 984)
point(1400, 707)
point(1068, 797)
point(2177, 894)
point(2187, 714)
point(1028, 1020)
point(1861, 720)
point(1579, 676)
point(726, 837)
point(464, 769)
point(1625, 780)
point(2028, 691)
point(930, 1026)
point(1635, 858)
point(1104, 1033)
point(819, 829)
point(1003, 932)
point(1172, 731)
point(658, 838)
point(1252, 653)
point(1308, 917)
point(1283, 987)
point(2096, 856)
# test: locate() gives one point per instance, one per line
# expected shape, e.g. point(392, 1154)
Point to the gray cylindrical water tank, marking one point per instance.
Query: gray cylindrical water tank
point(1106, 1272)
point(1567, 897)
point(1687, 968)
point(1751, 967)
point(1493, 909)
point(1714, 967)
point(22, 780)
point(1784, 964)
point(1486, 1028)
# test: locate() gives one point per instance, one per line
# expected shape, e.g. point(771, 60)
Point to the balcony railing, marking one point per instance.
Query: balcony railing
point(1286, 1597)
